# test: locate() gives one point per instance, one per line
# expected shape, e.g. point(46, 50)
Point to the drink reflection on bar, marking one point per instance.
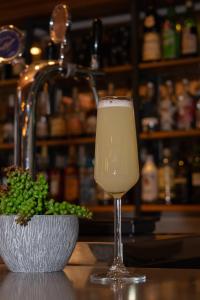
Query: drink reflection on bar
point(151, 54)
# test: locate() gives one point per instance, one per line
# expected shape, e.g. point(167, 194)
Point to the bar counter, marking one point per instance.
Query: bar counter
point(169, 262)
point(74, 283)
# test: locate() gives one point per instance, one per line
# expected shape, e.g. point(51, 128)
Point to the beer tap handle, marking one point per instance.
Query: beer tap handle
point(59, 26)
point(96, 44)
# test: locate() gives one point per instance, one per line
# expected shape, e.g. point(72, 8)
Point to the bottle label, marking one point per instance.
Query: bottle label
point(151, 46)
point(42, 129)
point(149, 187)
point(166, 176)
point(180, 180)
point(169, 43)
point(58, 126)
point(74, 125)
point(71, 192)
point(189, 42)
point(166, 112)
point(185, 112)
point(196, 179)
point(55, 184)
point(87, 186)
point(166, 182)
point(54, 188)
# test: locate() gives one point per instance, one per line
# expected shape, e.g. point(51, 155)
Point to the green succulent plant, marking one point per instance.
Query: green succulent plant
point(25, 197)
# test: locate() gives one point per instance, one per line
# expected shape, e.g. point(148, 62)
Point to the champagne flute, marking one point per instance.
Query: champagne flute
point(116, 171)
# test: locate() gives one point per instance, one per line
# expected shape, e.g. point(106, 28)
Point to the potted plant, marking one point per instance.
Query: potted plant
point(37, 234)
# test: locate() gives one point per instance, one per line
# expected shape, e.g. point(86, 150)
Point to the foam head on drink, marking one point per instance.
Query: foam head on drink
point(116, 154)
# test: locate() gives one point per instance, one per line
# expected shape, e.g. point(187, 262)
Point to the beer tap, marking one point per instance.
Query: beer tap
point(33, 78)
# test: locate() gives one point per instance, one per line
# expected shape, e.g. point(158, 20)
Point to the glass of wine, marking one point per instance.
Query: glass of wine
point(116, 171)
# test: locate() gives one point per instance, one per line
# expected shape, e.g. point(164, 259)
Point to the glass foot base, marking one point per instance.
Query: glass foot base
point(104, 278)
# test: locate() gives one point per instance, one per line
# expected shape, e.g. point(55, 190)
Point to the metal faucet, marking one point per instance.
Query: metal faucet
point(33, 78)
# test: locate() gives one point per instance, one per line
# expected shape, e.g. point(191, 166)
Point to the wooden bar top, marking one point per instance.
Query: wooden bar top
point(74, 283)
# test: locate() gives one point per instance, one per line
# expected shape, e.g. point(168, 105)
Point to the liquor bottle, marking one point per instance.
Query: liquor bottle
point(82, 172)
point(143, 155)
point(195, 93)
point(181, 181)
point(149, 181)
point(148, 110)
point(86, 177)
point(74, 122)
point(197, 113)
point(91, 121)
point(178, 27)
point(119, 52)
point(56, 177)
point(111, 89)
point(151, 48)
point(195, 176)
point(58, 123)
point(185, 107)
point(169, 34)
point(87, 112)
point(43, 162)
point(166, 178)
point(42, 128)
point(167, 108)
point(189, 32)
point(8, 126)
point(103, 198)
point(71, 178)
point(125, 51)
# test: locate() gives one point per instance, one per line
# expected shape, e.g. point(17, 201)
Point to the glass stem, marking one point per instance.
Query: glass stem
point(118, 247)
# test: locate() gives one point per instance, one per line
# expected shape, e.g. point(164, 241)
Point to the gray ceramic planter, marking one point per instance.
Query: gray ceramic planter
point(44, 245)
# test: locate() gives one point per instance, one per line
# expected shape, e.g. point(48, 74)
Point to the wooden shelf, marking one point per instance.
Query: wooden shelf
point(170, 208)
point(170, 134)
point(170, 63)
point(110, 208)
point(118, 69)
point(110, 70)
point(6, 146)
point(56, 142)
point(8, 83)
point(181, 62)
point(66, 141)
point(90, 140)
point(148, 208)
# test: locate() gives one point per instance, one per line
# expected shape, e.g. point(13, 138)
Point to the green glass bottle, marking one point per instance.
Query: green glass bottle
point(169, 36)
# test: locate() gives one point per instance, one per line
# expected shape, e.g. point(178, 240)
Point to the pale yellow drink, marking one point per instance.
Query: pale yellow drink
point(116, 154)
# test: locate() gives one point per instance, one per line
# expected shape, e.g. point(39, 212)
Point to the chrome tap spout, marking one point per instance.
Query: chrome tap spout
point(29, 85)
